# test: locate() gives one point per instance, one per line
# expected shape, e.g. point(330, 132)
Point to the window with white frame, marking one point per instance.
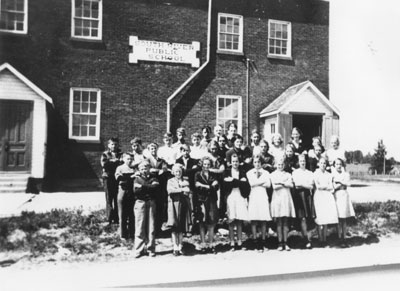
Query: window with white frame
point(84, 114)
point(87, 18)
point(279, 39)
point(230, 33)
point(272, 128)
point(14, 16)
point(229, 109)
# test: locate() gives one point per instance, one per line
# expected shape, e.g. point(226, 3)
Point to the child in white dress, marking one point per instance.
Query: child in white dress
point(324, 202)
point(341, 180)
point(282, 207)
point(259, 212)
point(237, 189)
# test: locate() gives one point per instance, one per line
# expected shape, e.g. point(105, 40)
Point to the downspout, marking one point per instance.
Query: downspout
point(195, 74)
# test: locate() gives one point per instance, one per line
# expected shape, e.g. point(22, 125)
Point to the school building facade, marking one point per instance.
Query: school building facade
point(75, 72)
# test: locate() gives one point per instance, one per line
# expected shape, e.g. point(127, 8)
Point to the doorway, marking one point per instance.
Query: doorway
point(15, 135)
point(310, 125)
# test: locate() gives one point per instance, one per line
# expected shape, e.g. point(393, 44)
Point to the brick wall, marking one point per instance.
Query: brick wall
point(134, 96)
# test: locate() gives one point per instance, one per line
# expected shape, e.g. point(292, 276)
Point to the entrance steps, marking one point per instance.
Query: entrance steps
point(13, 183)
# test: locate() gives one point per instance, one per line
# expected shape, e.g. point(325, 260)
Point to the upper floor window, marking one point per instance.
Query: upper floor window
point(87, 18)
point(229, 109)
point(14, 16)
point(279, 39)
point(230, 33)
point(84, 114)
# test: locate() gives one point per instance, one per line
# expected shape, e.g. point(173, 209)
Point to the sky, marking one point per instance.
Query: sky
point(365, 72)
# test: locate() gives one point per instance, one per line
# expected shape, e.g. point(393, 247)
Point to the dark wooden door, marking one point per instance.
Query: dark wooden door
point(15, 135)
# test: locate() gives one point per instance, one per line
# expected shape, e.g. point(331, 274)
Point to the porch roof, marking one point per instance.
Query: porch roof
point(25, 80)
point(290, 94)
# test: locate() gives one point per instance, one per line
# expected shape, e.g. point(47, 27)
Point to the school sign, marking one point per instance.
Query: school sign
point(156, 51)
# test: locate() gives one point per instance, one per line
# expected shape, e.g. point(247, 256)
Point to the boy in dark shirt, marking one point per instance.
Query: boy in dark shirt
point(110, 160)
point(124, 177)
point(146, 189)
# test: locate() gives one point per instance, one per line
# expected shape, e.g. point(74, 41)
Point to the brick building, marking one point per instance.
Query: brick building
point(75, 72)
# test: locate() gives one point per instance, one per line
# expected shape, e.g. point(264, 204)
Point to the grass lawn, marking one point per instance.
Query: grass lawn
point(74, 235)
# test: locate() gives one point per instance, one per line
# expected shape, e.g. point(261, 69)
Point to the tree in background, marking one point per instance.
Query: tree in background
point(379, 157)
point(354, 157)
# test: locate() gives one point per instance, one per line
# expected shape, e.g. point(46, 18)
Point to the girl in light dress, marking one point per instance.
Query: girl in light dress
point(341, 180)
point(276, 149)
point(324, 201)
point(303, 180)
point(237, 189)
point(282, 207)
point(334, 152)
point(259, 211)
point(179, 209)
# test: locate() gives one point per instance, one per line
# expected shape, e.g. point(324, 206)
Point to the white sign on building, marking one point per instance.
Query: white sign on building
point(156, 51)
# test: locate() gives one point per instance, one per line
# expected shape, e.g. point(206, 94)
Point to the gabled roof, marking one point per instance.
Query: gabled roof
point(290, 94)
point(25, 80)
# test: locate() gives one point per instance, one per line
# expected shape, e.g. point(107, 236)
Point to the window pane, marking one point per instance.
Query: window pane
point(92, 119)
point(20, 26)
point(222, 28)
point(85, 96)
point(84, 130)
point(85, 107)
point(78, 23)
point(93, 96)
point(84, 119)
point(93, 107)
point(92, 131)
point(78, 12)
point(76, 119)
point(20, 5)
point(75, 130)
point(94, 23)
point(77, 96)
point(76, 107)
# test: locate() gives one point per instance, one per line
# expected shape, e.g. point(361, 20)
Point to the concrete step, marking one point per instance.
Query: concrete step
point(13, 177)
point(13, 182)
point(4, 190)
point(21, 183)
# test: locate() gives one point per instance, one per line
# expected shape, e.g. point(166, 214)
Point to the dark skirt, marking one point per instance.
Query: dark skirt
point(208, 211)
point(179, 214)
point(303, 203)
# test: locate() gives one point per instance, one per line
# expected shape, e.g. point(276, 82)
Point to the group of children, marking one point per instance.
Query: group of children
point(215, 179)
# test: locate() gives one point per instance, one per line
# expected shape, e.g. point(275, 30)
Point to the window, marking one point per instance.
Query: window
point(279, 39)
point(230, 33)
point(84, 118)
point(14, 16)
point(229, 109)
point(87, 18)
point(272, 128)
